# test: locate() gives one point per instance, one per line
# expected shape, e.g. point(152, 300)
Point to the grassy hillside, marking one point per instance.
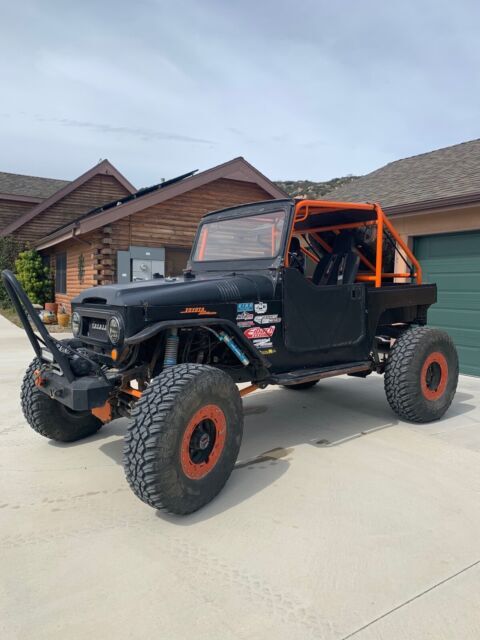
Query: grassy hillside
point(311, 189)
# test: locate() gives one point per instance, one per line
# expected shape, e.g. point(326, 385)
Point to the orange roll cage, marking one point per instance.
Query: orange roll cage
point(306, 208)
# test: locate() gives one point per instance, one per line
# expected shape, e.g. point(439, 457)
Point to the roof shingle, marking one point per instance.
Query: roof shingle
point(31, 186)
point(443, 173)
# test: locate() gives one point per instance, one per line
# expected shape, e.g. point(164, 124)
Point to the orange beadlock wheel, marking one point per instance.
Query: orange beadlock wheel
point(184, 437)
point(434, 376)
point(203, 441)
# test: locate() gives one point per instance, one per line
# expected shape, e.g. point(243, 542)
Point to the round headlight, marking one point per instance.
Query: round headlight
point(76, 323)
point(114, 330)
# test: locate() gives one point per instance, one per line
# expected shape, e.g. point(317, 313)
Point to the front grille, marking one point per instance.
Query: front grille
point(95, 328)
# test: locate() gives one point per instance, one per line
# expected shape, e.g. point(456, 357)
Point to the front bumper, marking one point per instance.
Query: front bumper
point(81, 394)
point(57, 380)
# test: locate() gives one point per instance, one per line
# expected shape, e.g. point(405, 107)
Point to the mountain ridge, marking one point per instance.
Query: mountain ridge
point(312, 189)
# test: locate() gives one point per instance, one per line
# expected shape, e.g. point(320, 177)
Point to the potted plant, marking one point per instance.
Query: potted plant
point(51, 306)
point(63, 317)
point(48, 317)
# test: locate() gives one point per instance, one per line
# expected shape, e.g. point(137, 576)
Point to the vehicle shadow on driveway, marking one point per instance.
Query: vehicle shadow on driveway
point(277, 421)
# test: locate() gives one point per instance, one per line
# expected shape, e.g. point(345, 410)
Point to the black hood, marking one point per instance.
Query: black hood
point(202, 289)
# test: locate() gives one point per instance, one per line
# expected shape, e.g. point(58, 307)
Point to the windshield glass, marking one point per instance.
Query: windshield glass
point(249, 237)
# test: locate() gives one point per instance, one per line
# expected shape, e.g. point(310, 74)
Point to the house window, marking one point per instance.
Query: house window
point(61, 273)
point(46, 260)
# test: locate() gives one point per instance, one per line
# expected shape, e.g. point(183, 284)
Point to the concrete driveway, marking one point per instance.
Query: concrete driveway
point(338, 522)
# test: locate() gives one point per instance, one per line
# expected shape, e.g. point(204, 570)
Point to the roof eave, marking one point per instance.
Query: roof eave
point(19, 198)
point(433, 204)
point(50, 241)
point(227, 170)
point(236, 169)
point(105, 167)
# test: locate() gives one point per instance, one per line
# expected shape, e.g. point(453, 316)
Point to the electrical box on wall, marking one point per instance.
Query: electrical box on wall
point(147, 269)
point(140, 263)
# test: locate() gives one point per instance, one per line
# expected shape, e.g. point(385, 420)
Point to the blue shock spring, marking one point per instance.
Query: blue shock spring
point(171, 348)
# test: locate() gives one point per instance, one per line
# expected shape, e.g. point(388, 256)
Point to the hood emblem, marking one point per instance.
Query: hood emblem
point(199, 311)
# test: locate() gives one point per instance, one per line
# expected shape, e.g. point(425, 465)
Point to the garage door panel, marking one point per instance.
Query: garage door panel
point(458, 300)
point(462, 337)
point(468, 357)
point(446, 244)
point(453, 262)
point(452, 281)
point(469, 369)
point(462, 318)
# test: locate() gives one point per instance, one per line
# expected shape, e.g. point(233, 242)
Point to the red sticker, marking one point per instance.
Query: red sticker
point(259, 332)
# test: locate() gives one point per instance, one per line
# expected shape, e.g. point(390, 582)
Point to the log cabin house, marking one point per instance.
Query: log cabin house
point(31, 207)
point(136, 235)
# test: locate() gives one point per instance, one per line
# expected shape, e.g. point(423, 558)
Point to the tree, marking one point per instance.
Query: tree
point(34, 276)
point(10, 247)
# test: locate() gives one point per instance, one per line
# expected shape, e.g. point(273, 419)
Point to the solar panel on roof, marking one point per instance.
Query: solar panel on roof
point(134, 196)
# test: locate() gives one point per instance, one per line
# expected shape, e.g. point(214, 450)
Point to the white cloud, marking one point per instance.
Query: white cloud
point(307, 90)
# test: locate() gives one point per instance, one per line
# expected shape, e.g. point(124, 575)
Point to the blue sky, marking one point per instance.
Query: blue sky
point(303, 90)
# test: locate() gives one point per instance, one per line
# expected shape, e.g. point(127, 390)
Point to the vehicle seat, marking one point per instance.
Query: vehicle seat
point(340, 266)
point(296, 257)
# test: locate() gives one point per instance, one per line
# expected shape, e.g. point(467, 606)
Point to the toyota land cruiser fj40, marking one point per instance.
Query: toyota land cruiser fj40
point(283, 292)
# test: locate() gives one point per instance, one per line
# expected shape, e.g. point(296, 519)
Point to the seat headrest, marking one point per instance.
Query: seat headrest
point(295, 245)
point(343, 242)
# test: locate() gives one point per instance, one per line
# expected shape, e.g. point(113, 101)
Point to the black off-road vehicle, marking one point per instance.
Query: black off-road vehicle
point(276, 293)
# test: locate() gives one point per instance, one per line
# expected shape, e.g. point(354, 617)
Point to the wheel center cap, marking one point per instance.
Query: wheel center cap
point(204, 441)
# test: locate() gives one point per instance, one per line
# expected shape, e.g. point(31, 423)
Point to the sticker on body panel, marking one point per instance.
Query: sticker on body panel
point(259, 332)
point(263, 343)
point(244, 316)
point(245, 323)
point(245, 307)
point(270, 319)
point(261, 307)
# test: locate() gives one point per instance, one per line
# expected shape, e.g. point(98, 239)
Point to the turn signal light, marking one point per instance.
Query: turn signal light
point(114, 354)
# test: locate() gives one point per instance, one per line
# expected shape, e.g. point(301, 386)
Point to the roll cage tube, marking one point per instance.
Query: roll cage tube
point(25, 310)
point(304, 209)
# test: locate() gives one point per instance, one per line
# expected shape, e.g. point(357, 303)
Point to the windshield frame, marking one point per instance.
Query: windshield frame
point(244, 211)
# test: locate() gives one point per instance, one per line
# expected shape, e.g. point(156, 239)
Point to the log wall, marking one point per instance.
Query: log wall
point(99, 190)
point(171, 224)
point(11, 210)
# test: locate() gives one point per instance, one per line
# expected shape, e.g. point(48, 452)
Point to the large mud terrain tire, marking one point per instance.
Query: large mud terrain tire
point(184, 438)
point(421, 374)
point(51, 419)
point(300, 386)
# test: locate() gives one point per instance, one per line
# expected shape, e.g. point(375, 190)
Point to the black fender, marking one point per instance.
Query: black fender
point(149, 332)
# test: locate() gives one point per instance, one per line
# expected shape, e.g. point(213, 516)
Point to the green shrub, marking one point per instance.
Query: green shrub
point(34, 276)
point(10, 247)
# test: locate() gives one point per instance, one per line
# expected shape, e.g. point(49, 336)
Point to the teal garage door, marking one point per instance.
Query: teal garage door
point(453, 261)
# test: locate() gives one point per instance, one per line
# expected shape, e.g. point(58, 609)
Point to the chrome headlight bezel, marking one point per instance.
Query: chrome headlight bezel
point(117, 331)
point(76, 322)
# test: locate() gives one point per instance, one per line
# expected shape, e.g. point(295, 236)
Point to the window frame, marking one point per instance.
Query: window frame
point(61, 273)
point(240, 217)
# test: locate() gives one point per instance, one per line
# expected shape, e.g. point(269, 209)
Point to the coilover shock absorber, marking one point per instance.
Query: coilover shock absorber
point(171, 348)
